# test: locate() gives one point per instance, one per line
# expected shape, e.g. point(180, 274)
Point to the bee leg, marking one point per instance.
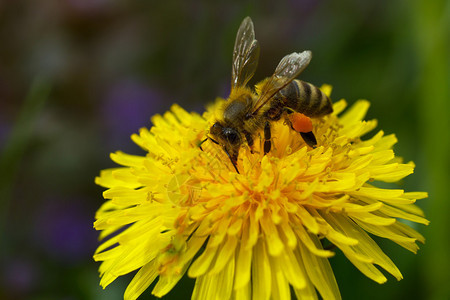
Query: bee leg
point(233, 159)
point(303, 128)
point(309, 139)
point(267, 136)
point(249, 139)
point(288, 110)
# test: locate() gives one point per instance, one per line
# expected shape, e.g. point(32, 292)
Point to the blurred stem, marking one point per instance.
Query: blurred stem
point(432, 23)
point(16, 145)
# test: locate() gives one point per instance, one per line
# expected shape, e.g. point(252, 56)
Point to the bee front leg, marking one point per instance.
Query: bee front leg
point(267, 137)
point(249, 139)
point(233, 159)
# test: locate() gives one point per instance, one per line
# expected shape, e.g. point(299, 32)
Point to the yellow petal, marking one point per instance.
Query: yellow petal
point(367, 246)
point(243, 268)
point(261, 273)
point(280, 286)
point(203, 263)
point(319, 272)
point(224, 254)
point(215, 286)
point(273, 241)
point(355, 113)
point(141, 281)
point(291, 268)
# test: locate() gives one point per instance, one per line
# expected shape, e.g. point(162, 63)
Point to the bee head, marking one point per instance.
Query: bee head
point(225, 134)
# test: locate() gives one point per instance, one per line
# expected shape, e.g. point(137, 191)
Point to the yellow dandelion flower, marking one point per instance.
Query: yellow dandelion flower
point(255, 234)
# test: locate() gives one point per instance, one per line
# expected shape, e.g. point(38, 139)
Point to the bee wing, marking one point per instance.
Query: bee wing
point(245, 54)
point(287, 70)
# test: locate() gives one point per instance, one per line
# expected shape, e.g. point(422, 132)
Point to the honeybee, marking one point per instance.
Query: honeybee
point(248, 112)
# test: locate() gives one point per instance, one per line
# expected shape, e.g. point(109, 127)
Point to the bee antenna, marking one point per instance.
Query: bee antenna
point(207, 138)
point(214, 141)
point(201, 143)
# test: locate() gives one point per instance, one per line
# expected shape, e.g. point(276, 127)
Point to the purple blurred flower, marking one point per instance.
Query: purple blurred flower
point(19, 277)
point(88, 6)
point(63, 230)
point(304, 6)
point(4, 133)
point(128, 106)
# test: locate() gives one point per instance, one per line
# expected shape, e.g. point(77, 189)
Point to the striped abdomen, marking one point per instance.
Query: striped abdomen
point(305, 98)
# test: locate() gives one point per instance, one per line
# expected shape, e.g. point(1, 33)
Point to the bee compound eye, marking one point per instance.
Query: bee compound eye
point(231, 135)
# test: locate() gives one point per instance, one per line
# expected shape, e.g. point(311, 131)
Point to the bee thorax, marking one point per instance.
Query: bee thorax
point(236, 109)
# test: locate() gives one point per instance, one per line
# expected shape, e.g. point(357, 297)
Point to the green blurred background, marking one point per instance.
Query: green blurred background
point(78, 77)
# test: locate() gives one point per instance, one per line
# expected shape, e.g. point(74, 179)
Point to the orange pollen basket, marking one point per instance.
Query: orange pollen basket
point(300, 122)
